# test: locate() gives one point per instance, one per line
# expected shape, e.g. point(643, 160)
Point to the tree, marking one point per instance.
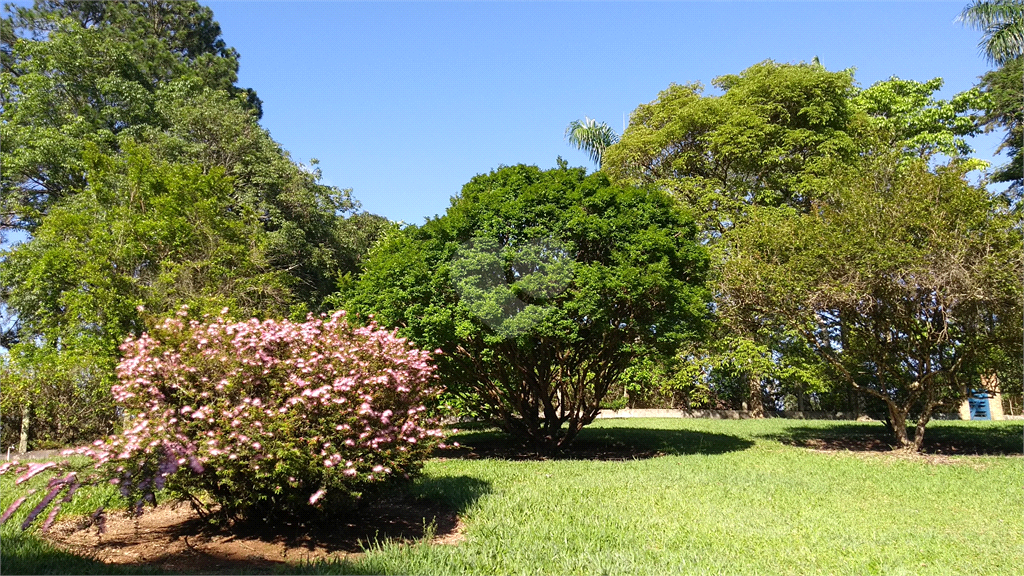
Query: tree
point(591, 137)
point(104, 90)
point(1005, 90)
point(770, 140)
point(81, 73)
point(537, 286)
point(142, 239)
point(900, 278)
point(1002, 43)
point(1002, 23)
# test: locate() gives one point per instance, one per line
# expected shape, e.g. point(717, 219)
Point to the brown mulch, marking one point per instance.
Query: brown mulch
point(172, 537)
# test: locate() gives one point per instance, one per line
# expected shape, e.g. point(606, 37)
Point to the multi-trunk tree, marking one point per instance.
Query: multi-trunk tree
point(902, 277)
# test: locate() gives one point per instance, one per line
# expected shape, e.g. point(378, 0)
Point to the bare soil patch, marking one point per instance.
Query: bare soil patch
point(174, 538)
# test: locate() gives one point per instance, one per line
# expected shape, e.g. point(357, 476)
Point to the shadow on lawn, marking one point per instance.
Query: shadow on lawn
point(606, 443)
point(948, 438)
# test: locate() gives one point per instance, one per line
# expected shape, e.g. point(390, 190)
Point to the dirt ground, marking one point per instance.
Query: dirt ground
point(172, 537)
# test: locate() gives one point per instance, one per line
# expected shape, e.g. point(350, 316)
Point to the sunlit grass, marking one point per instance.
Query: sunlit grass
point(735, 497)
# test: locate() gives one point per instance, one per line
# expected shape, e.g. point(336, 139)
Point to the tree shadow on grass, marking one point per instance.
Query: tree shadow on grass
point(605, 443)
point(946, 438)
point(180, 542)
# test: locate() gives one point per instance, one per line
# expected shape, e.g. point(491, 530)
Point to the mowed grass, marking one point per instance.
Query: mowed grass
point(736, 497)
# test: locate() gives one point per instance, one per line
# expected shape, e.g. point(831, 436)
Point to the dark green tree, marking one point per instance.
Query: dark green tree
point(538, 286)
point(1005, 110)
point(142, 239)
point(92, 92)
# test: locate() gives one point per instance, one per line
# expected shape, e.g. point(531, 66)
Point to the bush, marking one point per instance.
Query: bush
point(539, 285)
point(261, 419)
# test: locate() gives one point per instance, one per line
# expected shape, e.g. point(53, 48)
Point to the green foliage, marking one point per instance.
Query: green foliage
point(1005, 90)
point(1002, 23)
point(906, 115)
point(82, 73)
point(591, 137)
point(774, 139)
point(144, 179)
point(901, 279)
point(537, 285)
point(754, 144)
point(144, 237)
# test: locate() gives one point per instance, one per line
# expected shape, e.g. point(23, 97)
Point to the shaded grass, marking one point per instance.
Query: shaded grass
point(737, 497)
point(941, 437)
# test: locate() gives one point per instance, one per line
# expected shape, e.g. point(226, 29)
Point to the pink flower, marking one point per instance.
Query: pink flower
point(316, 495)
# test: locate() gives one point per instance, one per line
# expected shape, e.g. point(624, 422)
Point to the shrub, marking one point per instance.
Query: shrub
point(540, 286)
point(261, 419)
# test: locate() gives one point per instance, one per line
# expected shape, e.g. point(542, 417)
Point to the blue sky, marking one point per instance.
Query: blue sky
point(405, 102)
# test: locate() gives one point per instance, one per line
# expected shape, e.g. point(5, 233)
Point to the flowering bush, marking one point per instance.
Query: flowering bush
point(256, 419)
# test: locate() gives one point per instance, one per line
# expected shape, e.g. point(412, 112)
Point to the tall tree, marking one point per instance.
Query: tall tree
point(1002, 25)
point(770, 140)
point(591, 137)
point(96, 95)
point(85, 72)
point(917, 270)
point(1004, 110)
point(142, 239)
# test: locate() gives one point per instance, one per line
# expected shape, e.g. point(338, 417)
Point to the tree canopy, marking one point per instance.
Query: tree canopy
point(537, 286)
point(141, 176)
point(900, 278)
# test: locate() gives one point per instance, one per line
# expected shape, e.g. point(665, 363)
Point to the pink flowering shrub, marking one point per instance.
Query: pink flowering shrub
point(257, 419)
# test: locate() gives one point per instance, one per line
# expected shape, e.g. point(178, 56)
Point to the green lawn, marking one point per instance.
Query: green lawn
point(734, 497)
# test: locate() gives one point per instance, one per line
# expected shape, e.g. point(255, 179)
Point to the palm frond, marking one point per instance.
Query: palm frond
point(1002, 23)
point(591, 137)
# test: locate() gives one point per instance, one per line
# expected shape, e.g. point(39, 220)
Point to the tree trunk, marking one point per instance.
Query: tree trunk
point(898, 425)
point(922, 421)
point(756, 405)
point(26, 419)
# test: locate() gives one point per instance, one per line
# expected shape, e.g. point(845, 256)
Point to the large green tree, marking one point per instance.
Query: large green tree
point(79, 73)
point(538, 287)
point(143, 238)
point(92, 93)
point(901, 277)
point(771, 139)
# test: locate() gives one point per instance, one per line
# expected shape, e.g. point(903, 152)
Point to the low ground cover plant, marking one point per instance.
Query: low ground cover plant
point(257, 420)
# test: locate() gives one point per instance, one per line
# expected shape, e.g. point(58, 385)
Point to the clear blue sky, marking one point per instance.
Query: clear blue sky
point(405, 102)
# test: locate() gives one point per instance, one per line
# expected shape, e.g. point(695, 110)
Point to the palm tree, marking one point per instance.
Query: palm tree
point(591, 137)
point(1002, 23)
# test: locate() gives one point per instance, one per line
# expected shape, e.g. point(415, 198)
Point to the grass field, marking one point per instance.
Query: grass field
point(697, 497)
